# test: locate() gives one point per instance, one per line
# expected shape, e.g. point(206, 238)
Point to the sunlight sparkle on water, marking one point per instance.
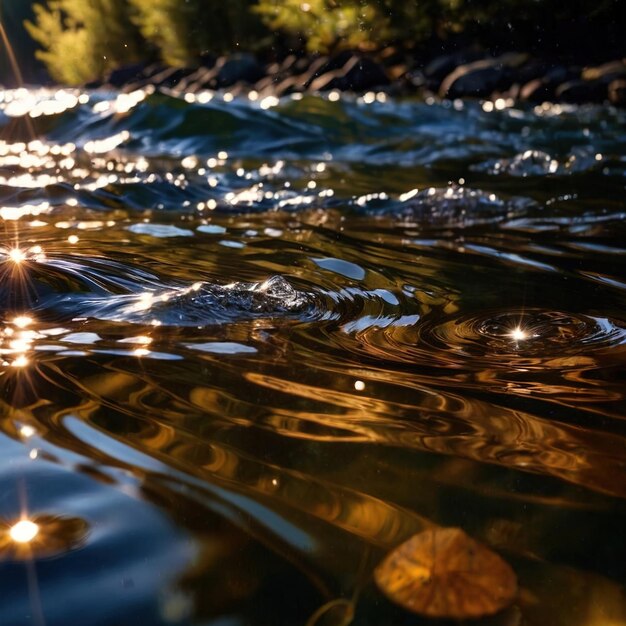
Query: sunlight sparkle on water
point(24, 531)
point(517, 334)
point(20, 361)
point(22, 321)
point(16, 255)
point(27, 431)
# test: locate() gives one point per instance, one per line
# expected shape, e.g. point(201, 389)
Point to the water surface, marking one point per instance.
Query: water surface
point(250, 345)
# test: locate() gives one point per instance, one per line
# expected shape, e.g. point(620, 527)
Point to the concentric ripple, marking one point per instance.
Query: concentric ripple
point(500, 339)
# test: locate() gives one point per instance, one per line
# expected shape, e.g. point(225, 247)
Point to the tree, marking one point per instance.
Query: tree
point(81, 40)
point(327, 25)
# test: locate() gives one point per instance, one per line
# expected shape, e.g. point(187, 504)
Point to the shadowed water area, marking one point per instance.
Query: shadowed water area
point(249, 346)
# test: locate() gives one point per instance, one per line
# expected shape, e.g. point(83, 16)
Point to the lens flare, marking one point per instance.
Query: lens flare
point(17, 256)
point(22, 321)
point(518, 334)
point(20, 361)
point(24, 531)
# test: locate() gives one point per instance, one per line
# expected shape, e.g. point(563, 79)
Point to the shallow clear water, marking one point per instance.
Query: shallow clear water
point(249, 346)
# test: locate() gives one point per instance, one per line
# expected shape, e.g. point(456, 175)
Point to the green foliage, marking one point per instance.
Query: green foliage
point(327, 24)
point(82, 39)
point(183, 30)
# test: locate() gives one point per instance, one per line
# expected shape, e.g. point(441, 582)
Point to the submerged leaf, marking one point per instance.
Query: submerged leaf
point(442, 572)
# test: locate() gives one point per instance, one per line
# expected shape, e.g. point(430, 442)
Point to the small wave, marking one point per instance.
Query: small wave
point(88, 287)
point(454, 205)
point(540, 163)
point(201, 304)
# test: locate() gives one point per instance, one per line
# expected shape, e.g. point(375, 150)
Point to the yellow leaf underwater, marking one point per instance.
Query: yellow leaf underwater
point(442, 572)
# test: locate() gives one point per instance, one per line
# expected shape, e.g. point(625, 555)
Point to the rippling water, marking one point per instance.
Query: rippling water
point(248, 346)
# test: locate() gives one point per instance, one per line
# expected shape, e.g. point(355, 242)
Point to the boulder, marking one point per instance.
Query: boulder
point(207, 59)
point(323, 65)
point(311, 72)
point(543, 89)
point(537, 91)
point(267, 84)
point(289, 85)
point(125, 74)
point(358, 74)
point(197, 80)
point(169, 77)
point(560, 74)
point(362, 74)
point(391, 56)
point(238, 68)
point(533, 69)
point(606, 73)
point(581, 92)
point(481, 78)
point(443, 65)
point(617, 92)
point(327, 81)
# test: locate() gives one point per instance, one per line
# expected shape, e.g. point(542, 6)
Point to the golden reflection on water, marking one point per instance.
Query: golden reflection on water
point(41, 536)
point(412, 403)
point(322, 456)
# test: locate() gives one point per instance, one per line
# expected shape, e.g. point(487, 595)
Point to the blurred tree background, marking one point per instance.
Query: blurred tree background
point(81, 40)
point(12, 16)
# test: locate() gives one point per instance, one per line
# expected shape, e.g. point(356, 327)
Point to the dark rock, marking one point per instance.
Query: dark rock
point(169, 77)
point(606, 73)
point(561, 74)
point(301, 65)
point(313, 71)
point(391, 56)
point(266, 84)
point(207, 59)
point(581, 92)
point(200, 79)
point(146, 77)
point(238, 68)
point(358, 74)
point(287, 86)
point(339, 60)
point(416, 78)
point(327, 81)
point(123, 75)
point(92, 84)
point(290, 62)
point(285, 67)
point(329, 64)
point(362, 74)
point(537, 91)
point(443, 65)
point(324, 65)
point(535, 68)
point(481, 78)
point(617, 92)
point(543, 89)
point(397, 72)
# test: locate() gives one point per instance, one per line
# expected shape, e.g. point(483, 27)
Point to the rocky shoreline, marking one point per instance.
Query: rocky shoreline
point(468, 73)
